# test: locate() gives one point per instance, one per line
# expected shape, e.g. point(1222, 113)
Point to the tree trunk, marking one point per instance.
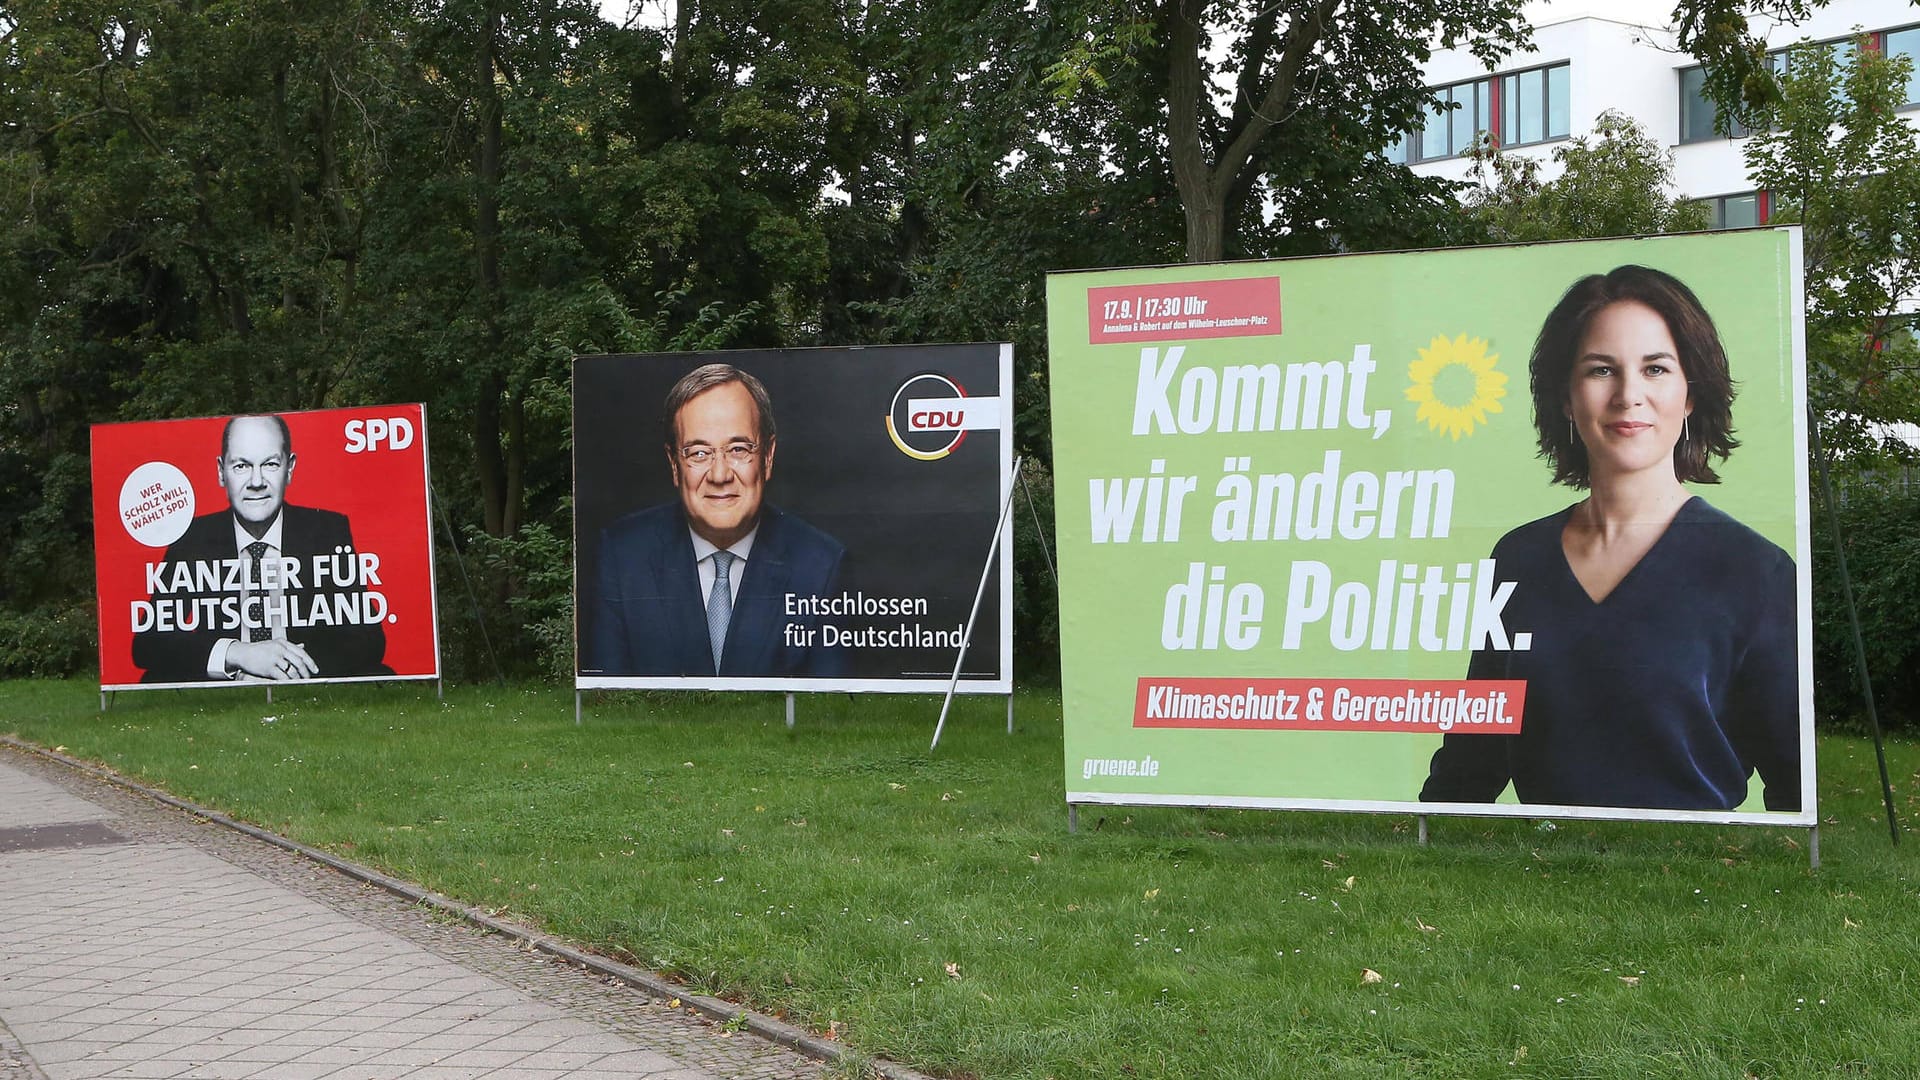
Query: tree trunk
point(496, 491)
point(1207, 187)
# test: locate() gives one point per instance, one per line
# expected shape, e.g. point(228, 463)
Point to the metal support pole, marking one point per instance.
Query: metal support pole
point(103, 701)
point(1073, 818)
point(966, 636)
point(1853, 619)
point(1813, 846)
point(1009, 714)
point(789, 710)
point(269, 693)
point(576, 708)
point(1422, 819)
point(439, 689)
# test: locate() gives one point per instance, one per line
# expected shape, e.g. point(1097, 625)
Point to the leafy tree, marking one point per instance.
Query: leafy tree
point(1614, 182)
point(1266, 114)
point(1839, 160)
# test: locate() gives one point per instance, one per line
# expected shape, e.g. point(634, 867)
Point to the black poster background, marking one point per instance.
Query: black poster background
point(911, 527)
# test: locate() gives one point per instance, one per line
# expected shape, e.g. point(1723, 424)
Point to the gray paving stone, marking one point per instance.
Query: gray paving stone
point(193, 951)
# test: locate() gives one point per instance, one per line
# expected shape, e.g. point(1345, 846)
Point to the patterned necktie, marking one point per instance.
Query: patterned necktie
point(255, 552)
point(719, 604)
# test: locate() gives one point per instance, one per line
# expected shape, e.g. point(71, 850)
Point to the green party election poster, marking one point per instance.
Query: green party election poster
point(1504, 531)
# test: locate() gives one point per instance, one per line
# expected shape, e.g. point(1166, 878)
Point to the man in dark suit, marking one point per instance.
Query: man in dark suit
point(701, 586)
point(259, 557)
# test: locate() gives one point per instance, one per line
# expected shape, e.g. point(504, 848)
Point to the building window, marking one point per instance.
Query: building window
point(1523, 107)
point(1905, 43)
point(1746, 209)
point(1697, 114)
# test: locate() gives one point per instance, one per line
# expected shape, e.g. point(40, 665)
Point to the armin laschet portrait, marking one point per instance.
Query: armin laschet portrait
point(1663, 670)
point(262, 534)
point(697, 586)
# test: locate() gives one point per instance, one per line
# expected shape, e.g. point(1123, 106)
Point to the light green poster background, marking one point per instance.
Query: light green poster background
point(1113, 594)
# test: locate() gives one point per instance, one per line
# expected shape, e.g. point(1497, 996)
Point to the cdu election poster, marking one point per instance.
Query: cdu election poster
point(796, 519)
point(265, 548)
point(1503, 531)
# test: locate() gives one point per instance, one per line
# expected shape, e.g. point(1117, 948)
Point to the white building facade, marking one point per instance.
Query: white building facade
point(1581, 65)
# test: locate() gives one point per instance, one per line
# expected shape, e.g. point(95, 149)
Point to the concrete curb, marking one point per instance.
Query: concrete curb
point(760, 1024)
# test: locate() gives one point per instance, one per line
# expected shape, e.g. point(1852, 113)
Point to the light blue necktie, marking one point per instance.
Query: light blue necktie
point(719, 605)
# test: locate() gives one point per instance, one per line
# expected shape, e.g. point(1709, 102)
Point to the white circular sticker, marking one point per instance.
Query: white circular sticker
point(156, 504)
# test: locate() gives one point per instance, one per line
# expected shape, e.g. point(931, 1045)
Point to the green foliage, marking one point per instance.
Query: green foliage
point(1842, 162)
point(1878, 517)
point(247, 205)
point(1036, 593)
point(48, 639)
point(1721, 34)
point(531, 632)
point(1614, 182)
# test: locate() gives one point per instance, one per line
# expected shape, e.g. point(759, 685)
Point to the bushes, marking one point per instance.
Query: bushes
point(1880, 518)
point(507, 603)
point(49, 641)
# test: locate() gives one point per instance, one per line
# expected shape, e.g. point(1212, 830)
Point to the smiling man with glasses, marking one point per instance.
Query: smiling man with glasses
point(701, 586)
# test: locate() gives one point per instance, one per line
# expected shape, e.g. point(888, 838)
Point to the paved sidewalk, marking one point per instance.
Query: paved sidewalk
point(136, 941)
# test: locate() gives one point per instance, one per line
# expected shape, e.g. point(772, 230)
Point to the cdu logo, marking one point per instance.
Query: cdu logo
point(931, 415)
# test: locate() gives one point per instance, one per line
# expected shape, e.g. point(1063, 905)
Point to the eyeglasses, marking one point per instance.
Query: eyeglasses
point(699, 457)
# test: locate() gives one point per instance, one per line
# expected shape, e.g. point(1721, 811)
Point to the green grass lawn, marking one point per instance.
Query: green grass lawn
point(934, 907)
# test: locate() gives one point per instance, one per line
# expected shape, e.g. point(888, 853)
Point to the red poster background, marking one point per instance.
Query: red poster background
point(382, 489)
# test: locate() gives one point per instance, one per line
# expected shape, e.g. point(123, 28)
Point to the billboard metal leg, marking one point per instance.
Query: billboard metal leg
point(1009, 714)
point(269, 695)
point(966, 636)
point(1073, 818)
point(789, 710)
point(1813, 846)
point(576, 708)
point(1422, 819)
point(439, 689)
point(103, 701)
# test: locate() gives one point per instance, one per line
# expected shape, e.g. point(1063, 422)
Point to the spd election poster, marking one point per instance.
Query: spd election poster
point(1504, 531)
point(264, 548)
point(796, 519)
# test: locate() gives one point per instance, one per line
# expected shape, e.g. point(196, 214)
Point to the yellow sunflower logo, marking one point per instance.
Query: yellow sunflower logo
point(1456, 385)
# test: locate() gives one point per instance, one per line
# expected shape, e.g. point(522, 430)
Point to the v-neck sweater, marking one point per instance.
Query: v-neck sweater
point(1669, 693)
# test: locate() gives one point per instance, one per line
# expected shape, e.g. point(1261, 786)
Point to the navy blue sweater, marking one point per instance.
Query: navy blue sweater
point(1669, 693)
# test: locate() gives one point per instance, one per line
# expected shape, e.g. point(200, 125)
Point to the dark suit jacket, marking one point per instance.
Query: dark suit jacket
point(339, 651)
point(649, 617)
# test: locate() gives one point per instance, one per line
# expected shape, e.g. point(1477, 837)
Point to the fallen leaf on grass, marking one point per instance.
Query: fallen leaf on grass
point(1368, 977)
point(1149, 894)
point(1630, 980)
point(834, 1028)
point(953, 971)
point(1035, 856)
point(1423, 927)
point(1849, 923)
point(896, 787)
point(1347, 885)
